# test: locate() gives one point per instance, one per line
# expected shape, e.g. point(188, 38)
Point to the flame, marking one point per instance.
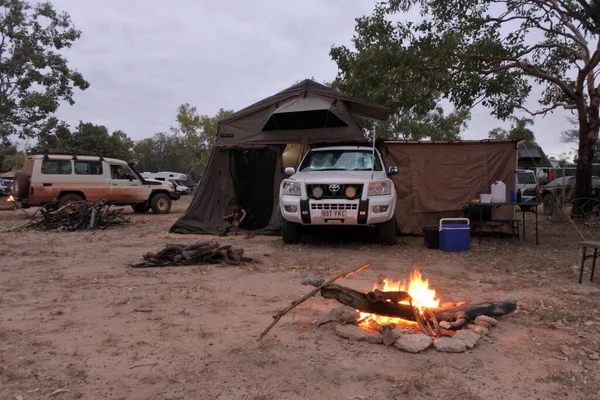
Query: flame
point(418, 288)
point(10, 198)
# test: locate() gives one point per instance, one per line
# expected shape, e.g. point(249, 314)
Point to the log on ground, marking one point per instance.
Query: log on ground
point(202, 252)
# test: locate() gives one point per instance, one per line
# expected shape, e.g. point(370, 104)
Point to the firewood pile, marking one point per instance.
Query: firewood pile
point(202, 252)
point(75, 216)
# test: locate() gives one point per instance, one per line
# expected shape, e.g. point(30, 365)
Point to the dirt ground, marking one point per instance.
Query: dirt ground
point(69, 326)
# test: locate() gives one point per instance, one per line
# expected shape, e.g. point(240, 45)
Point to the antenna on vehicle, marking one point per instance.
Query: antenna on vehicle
point(373, 156)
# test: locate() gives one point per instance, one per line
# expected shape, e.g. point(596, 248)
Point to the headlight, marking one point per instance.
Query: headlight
point(291, 188)
point(380, 188)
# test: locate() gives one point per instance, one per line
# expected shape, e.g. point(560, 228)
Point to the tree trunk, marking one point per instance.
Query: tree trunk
point(588, 134)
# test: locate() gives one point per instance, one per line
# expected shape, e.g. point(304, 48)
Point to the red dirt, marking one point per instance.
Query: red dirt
point(69, 321)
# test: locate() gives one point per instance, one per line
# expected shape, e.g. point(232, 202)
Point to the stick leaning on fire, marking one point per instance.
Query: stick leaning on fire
point(388, 304)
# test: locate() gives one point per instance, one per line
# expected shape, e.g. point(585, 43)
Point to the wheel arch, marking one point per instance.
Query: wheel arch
point(66, 192)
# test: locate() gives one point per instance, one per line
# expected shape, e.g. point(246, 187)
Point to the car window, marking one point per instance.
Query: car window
point(121, 172)
point(88, 167)
point(526, 178)
point(56, 167)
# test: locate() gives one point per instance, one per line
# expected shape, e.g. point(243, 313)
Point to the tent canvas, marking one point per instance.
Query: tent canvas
point(436, 179)
point(246, 163)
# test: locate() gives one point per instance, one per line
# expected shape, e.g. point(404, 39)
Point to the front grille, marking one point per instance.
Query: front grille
point(320, 206)
point(328, 193)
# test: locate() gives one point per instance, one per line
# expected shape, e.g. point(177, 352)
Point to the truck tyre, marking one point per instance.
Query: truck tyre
point(548, 203)
point(69, 198)
point(22, 182)
point(140, 207)
point(160, 203)
point(290, 233)
point(386, 232)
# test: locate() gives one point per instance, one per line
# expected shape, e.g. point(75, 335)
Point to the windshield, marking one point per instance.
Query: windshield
point(526, 178)
point(340, 160)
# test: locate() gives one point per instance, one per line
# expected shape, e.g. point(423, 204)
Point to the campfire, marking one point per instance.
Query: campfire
point(10, 199)
point(422, 298)
point(405, 314)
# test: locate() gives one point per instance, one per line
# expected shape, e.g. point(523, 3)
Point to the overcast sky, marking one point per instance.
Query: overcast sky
point(143, 58)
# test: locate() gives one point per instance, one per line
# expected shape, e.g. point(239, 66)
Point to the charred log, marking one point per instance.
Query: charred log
point(202, 252)
point(457, 316)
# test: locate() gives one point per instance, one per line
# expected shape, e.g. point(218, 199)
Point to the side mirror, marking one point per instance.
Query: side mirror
point(290, 171)
point(392, 170)
point(130, 178)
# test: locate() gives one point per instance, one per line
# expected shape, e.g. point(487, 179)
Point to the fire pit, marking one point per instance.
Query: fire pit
point(405, 314)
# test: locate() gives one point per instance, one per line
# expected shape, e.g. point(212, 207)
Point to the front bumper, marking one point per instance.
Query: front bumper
point(338, 211)
point(175, 195)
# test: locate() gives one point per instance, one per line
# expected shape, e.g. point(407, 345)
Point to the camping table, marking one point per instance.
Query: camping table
point(530, 207)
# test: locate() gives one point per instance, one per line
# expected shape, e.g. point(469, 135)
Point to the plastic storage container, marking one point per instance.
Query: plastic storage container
point(455, 234)
point(498, 190)
point(486, 198)
point(432, 237)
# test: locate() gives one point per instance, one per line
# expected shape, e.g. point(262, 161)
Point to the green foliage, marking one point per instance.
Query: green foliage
point(161, 152)
point(485, 52)
point(34, 77)
point(10, 158)
point(86, 137)
point(380, 69)
point(518, 131)
point(186, 148)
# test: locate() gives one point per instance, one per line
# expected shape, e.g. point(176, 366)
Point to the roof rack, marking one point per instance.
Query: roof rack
point(63, 152)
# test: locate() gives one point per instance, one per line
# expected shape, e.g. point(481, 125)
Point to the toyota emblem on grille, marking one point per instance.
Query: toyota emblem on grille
point(334, 188)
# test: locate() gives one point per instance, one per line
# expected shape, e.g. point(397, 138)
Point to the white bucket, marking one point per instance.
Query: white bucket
point(486, 198)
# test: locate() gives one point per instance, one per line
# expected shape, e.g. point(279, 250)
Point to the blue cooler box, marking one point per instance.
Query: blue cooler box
point(455, 234)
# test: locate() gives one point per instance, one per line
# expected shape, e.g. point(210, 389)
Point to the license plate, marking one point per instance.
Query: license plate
point(333, 214)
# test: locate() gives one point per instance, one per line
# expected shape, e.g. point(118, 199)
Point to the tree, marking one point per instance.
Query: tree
point(377, 71)
point(86, 137)
point(197, 134)
point(518, 131)
point(10, 157)
point(490, 52)
point(161, 152)
point(572, 136)
point(34, 77)
point(186, 148)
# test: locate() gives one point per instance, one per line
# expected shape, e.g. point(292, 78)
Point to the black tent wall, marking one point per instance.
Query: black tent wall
point(216, 189)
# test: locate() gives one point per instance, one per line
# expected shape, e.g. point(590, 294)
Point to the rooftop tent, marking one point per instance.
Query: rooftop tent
point(531, 156)
point(247, 163)
point(304, 113)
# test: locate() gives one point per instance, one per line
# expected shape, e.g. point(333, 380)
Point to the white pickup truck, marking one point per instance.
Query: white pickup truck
point(339, 186)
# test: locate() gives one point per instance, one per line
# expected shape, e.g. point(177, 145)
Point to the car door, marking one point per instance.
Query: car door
point(125, 187)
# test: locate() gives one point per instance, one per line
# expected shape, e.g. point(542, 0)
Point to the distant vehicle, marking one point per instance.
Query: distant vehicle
point(5, 187)
point(167, 175)
point(561, 191)
point(62, 177)
point(179, 185)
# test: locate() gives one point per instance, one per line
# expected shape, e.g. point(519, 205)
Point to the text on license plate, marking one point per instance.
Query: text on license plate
point(333, 214)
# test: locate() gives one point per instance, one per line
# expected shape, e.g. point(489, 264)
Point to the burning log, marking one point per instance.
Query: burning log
point(202, 252)
point(370, 303)
point(74, 216)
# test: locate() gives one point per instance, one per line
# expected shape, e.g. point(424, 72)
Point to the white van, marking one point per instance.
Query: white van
point(176, 181)
point(527, 182)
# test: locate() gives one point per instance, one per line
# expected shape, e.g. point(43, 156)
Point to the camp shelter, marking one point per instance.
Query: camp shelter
point(436, 179)
point(246, 163)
